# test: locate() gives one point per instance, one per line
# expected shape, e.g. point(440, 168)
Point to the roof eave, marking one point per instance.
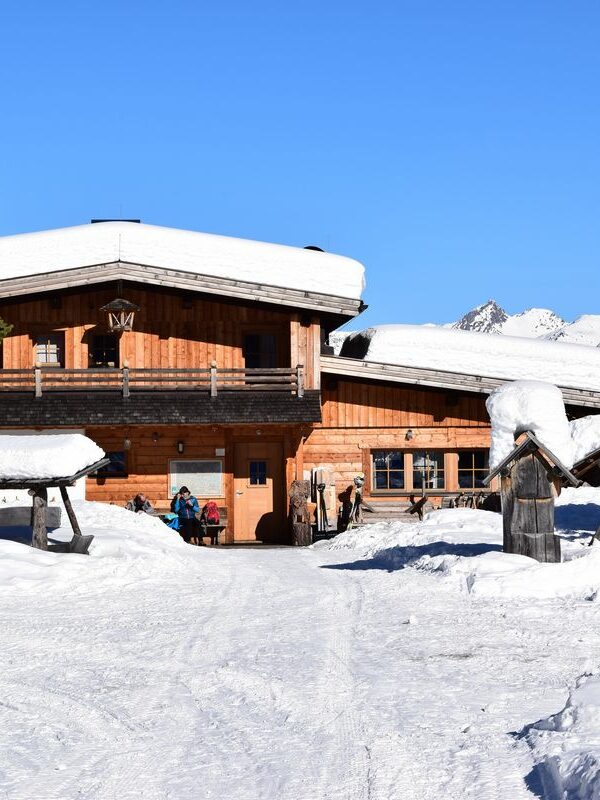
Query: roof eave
point(344, 307)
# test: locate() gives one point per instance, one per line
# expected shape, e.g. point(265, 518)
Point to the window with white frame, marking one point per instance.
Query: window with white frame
point(49, 349)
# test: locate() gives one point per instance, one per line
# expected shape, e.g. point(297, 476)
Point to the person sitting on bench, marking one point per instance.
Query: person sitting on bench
point(139, 504)
point(186, 507)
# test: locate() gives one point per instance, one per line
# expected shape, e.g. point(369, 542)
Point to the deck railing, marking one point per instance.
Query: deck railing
point(129, 380)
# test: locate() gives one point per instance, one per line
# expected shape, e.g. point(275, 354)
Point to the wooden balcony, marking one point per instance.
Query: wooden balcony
point(127, 381)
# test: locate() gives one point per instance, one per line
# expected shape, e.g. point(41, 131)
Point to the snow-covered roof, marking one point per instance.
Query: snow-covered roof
point(297, 268)
point(61, 455)
point(469, 353)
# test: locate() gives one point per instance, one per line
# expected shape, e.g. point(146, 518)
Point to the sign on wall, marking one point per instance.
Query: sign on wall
point(203, 477)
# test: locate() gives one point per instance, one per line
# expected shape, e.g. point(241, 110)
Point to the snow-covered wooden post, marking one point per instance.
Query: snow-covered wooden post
point(530, 478)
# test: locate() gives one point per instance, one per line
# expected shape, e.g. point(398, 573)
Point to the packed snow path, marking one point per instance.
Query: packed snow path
point(278, 673)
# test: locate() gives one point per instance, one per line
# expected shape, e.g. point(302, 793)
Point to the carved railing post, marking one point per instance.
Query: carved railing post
point(213, 379)
point(125, 381)
point(37, 374)
point(300, 380)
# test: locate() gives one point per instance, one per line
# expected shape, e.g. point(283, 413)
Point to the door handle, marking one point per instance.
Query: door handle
point(238, 492)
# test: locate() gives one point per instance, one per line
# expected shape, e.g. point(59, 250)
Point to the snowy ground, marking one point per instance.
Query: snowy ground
point(401, 662)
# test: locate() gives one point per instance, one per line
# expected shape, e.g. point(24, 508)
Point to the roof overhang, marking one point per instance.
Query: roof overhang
point(531, 444)
point(440, 379)
point(343, 307)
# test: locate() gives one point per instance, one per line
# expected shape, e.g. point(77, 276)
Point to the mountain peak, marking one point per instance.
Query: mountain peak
point(486, 318)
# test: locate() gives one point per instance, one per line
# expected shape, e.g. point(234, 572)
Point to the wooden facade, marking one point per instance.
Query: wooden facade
point(407, 432)
point(172, 329)
point(360, 417)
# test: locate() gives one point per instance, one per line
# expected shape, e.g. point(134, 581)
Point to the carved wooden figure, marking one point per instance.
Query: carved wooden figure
point(300, 519)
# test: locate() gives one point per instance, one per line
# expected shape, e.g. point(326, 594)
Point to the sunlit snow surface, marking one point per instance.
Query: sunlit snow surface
point(187, 251)
point(397, 661)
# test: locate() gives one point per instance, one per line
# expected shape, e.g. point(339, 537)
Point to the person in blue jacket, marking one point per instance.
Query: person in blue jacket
point(186, 507)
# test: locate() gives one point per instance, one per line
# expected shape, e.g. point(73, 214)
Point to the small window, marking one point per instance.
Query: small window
point(49, 349)
point(388, 469)
point(473, 466)
point(104, 351)
point(117, 468)
point(428, 470)
point(257, 471)
point(260, 350)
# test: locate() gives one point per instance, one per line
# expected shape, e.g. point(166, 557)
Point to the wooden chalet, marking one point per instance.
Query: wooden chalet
point(202, 360)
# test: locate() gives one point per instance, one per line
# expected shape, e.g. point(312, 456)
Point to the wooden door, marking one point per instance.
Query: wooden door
point(259, 494)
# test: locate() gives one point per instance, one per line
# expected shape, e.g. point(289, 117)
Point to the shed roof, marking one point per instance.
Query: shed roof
point(530, 444)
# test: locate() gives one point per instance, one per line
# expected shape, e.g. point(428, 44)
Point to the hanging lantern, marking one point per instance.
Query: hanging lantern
point(120, 315)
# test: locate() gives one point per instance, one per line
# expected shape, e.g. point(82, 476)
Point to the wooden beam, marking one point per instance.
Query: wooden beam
point(165, 276)
point(69, 509)
point(39, 537)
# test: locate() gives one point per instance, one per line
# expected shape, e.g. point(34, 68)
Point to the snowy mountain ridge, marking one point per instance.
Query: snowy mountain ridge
point(533, 323)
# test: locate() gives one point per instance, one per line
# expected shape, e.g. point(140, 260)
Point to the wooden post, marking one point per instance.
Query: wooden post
point(37, 374)
point(69, 509)
point(39, 538)
point(125, 387)
point(300, 381)
point(213, 379)
point(528, 510)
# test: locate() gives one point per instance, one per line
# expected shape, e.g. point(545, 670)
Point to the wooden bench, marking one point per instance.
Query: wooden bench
point(210, 531)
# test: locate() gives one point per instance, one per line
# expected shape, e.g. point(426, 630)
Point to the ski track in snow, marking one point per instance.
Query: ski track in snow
point(280, 674)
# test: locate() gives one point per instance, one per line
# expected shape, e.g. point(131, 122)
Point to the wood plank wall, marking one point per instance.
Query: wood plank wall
point(152, 448)
point(165, 333)
point(360, 416)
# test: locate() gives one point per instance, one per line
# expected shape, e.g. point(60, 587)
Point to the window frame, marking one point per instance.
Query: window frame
point(262, 333)
point(91, 349)
point(473, 470)
point(59, 336)
point(374, 471)
point(249, 483)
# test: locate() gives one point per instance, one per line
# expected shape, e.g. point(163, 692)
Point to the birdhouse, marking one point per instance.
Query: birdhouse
point(531, 476)
point(120, 315)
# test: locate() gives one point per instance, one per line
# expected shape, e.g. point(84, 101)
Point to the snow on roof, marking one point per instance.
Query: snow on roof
point(586, 436)
point(529, 406)
point(507, 357)
point(45, 456)
point(187, 251)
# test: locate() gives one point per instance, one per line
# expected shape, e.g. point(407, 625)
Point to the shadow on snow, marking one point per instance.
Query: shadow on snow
point(395, 558)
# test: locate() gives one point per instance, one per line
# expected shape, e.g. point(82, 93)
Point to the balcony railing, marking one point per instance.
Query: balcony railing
point(130, 380)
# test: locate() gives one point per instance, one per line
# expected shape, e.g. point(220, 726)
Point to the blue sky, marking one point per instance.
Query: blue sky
point(452, 147)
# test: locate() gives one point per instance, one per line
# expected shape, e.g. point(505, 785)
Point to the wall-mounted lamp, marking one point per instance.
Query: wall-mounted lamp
point(126, 444)
point(180, 446)
point(155, 437)
point(410, 434)
point(258, 432)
